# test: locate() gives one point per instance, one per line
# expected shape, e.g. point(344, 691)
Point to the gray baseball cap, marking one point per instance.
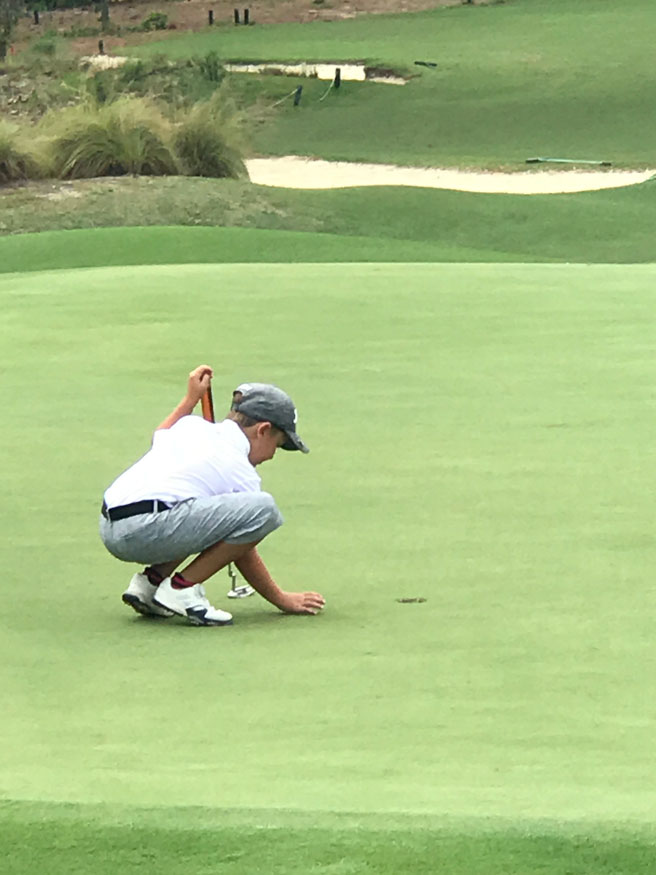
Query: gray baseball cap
point(267, 403)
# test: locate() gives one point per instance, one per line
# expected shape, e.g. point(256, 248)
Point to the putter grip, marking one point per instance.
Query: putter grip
point(207, 405)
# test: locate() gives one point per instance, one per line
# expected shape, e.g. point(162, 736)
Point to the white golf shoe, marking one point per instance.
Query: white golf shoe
point(192, 603)
point(139, 596)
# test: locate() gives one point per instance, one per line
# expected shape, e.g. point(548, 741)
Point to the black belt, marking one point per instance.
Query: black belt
point(152, 505)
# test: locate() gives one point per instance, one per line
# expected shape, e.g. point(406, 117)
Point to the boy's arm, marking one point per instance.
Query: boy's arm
point(199, 381)
point(253, 569)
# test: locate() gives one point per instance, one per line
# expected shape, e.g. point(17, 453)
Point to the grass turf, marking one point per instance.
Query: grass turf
point(177, 842)
point(514, 80)
point(489, 453)
point(480, 438)
point(368, 224)
point(119, 246)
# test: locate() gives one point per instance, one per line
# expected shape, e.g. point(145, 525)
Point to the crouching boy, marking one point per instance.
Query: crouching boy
point(197, 491)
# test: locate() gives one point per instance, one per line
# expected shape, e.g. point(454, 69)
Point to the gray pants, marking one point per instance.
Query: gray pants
point(191, 527)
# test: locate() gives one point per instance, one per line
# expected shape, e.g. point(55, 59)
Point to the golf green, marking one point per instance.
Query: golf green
point(481, 438)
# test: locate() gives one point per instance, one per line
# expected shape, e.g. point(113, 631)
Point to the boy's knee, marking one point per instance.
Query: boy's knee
point(263, 517)
point(258, 517)
point(268, 509)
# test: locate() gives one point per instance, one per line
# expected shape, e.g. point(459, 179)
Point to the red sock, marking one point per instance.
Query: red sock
point(179, 582)
point(153, 576)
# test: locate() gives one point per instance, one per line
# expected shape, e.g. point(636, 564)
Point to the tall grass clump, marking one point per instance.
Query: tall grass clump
point(209, 139)
point(210, 66)
point(178, 83)
point(127, 136)
point(17, 162)
point(46, 46)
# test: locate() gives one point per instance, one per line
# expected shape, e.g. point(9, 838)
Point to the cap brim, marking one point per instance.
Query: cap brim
point(294, 442)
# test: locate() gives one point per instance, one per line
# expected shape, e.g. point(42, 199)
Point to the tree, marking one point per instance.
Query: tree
point(9, 12)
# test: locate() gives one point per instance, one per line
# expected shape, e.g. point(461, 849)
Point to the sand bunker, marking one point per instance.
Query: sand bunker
point(350, 72)
point(103, 62)
point(295, 172)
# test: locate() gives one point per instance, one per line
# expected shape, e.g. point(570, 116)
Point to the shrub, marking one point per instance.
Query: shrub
point(175, 83)
point(132, 72)
point(46, 45)
point(16, 162)
point(155, 21)
point(129, 135)
point(210, 67)
point(101, 87)
point(134, 77)
point(208, 139)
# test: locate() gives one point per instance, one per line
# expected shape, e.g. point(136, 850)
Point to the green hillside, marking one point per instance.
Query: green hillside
point(514, 80)
point(366, 224)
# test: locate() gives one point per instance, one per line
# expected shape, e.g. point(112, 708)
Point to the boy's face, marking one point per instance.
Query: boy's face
point(265, 439)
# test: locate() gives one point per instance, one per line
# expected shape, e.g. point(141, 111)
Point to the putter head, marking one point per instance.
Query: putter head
point(240, 592)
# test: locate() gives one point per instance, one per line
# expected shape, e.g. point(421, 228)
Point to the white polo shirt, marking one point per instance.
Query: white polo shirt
point(192, 459)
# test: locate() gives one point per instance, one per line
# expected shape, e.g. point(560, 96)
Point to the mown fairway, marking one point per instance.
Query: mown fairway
point(481, 438)
point(515, 80)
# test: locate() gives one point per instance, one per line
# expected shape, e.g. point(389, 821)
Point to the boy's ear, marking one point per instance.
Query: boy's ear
point(263, 427)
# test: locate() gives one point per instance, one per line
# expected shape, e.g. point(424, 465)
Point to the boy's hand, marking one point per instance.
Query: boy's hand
point(199, 380)
point(301, 602)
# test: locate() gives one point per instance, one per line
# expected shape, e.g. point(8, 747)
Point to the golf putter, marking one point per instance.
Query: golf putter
point(237, 591)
